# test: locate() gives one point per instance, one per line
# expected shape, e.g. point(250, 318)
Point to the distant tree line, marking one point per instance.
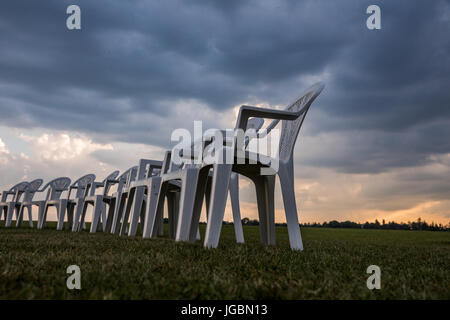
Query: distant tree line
point(391, 225)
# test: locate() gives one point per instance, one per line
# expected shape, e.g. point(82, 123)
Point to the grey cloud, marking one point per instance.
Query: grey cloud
point(121, 75)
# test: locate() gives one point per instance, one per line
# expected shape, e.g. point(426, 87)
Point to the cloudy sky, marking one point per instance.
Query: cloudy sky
point(375, 144)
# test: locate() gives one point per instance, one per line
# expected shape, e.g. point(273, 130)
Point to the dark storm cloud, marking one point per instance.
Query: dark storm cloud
point(135, 60)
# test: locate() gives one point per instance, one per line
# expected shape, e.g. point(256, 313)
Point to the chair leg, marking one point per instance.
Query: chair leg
point(19, 219)
point(117, 214)
point(136, 208)
point(218, 201)
point(186, 206)
point(286, 175)
point(103, 215)
point(95, 217)
point(96, 213)
point(70, 216)
point(194, 233)
point(154, 207)
point(172, 208)
point(208, 195)
point(30, 217)
point(61, 207)
point(110, 216)
point(77, 220)
point(234, 195)
point(3, 213)
point(126, 212)
point(78, 208)
point(83, 213)
point(11, 207)
point(121, 223)
point(265, 195)
point(42, 215)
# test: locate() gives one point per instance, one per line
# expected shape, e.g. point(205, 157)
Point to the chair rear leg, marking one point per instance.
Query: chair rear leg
point(70, 217)
point(186, 206)
point(42, 215)
point(290, 207)
point(265, 195)
point(3, 213)
point(97, 210)
point(194, 233)
point(103, 216)
point(78, 220)
point(61, 207)
point(110, 216)
point(154, 207)
point(95, 217)
point(117, 215)
point(9, 216)
point(30, 217)
point(234, 195)
point(19, 219)
point(172, 214)
point(83, 214)
point(121, 223)
point(135, 208)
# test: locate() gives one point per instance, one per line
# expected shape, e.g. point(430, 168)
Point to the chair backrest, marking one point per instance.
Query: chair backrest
point(291, 128)
point(126, 178)
point(112, 176)
point(17, 190)
point(57, 187)
point(82, 183)
point(31, 189)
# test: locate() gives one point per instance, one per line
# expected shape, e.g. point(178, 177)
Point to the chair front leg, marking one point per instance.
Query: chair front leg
point(286, 175)
point(194, 233)
point(11, 208)
point(136, 200)
point(218, 201)
point(61, 207)
point(265, 195)
point(19, 219)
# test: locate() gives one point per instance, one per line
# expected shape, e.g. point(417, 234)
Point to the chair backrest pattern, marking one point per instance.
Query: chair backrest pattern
point(31, 189)
point(290, 129)
point(127, 177)
point(57, 187)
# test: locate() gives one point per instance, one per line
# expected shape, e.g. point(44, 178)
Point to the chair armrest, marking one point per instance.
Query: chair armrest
point(143, 163)
point(110, 182)
point(6, 194)
point(246, 112)
point(70, 191)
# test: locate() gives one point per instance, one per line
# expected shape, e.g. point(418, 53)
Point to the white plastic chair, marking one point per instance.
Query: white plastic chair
point(118, 198)
point(99, 202)
point(75, 205)
point(55, 189)
point(13, 205)
point(293, 118)
point(141, 192)
point(27, 203)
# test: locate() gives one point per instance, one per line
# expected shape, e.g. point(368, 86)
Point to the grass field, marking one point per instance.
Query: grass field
point(414, 265)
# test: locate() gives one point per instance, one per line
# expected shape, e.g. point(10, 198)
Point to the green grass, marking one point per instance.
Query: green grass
point(414, 265)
